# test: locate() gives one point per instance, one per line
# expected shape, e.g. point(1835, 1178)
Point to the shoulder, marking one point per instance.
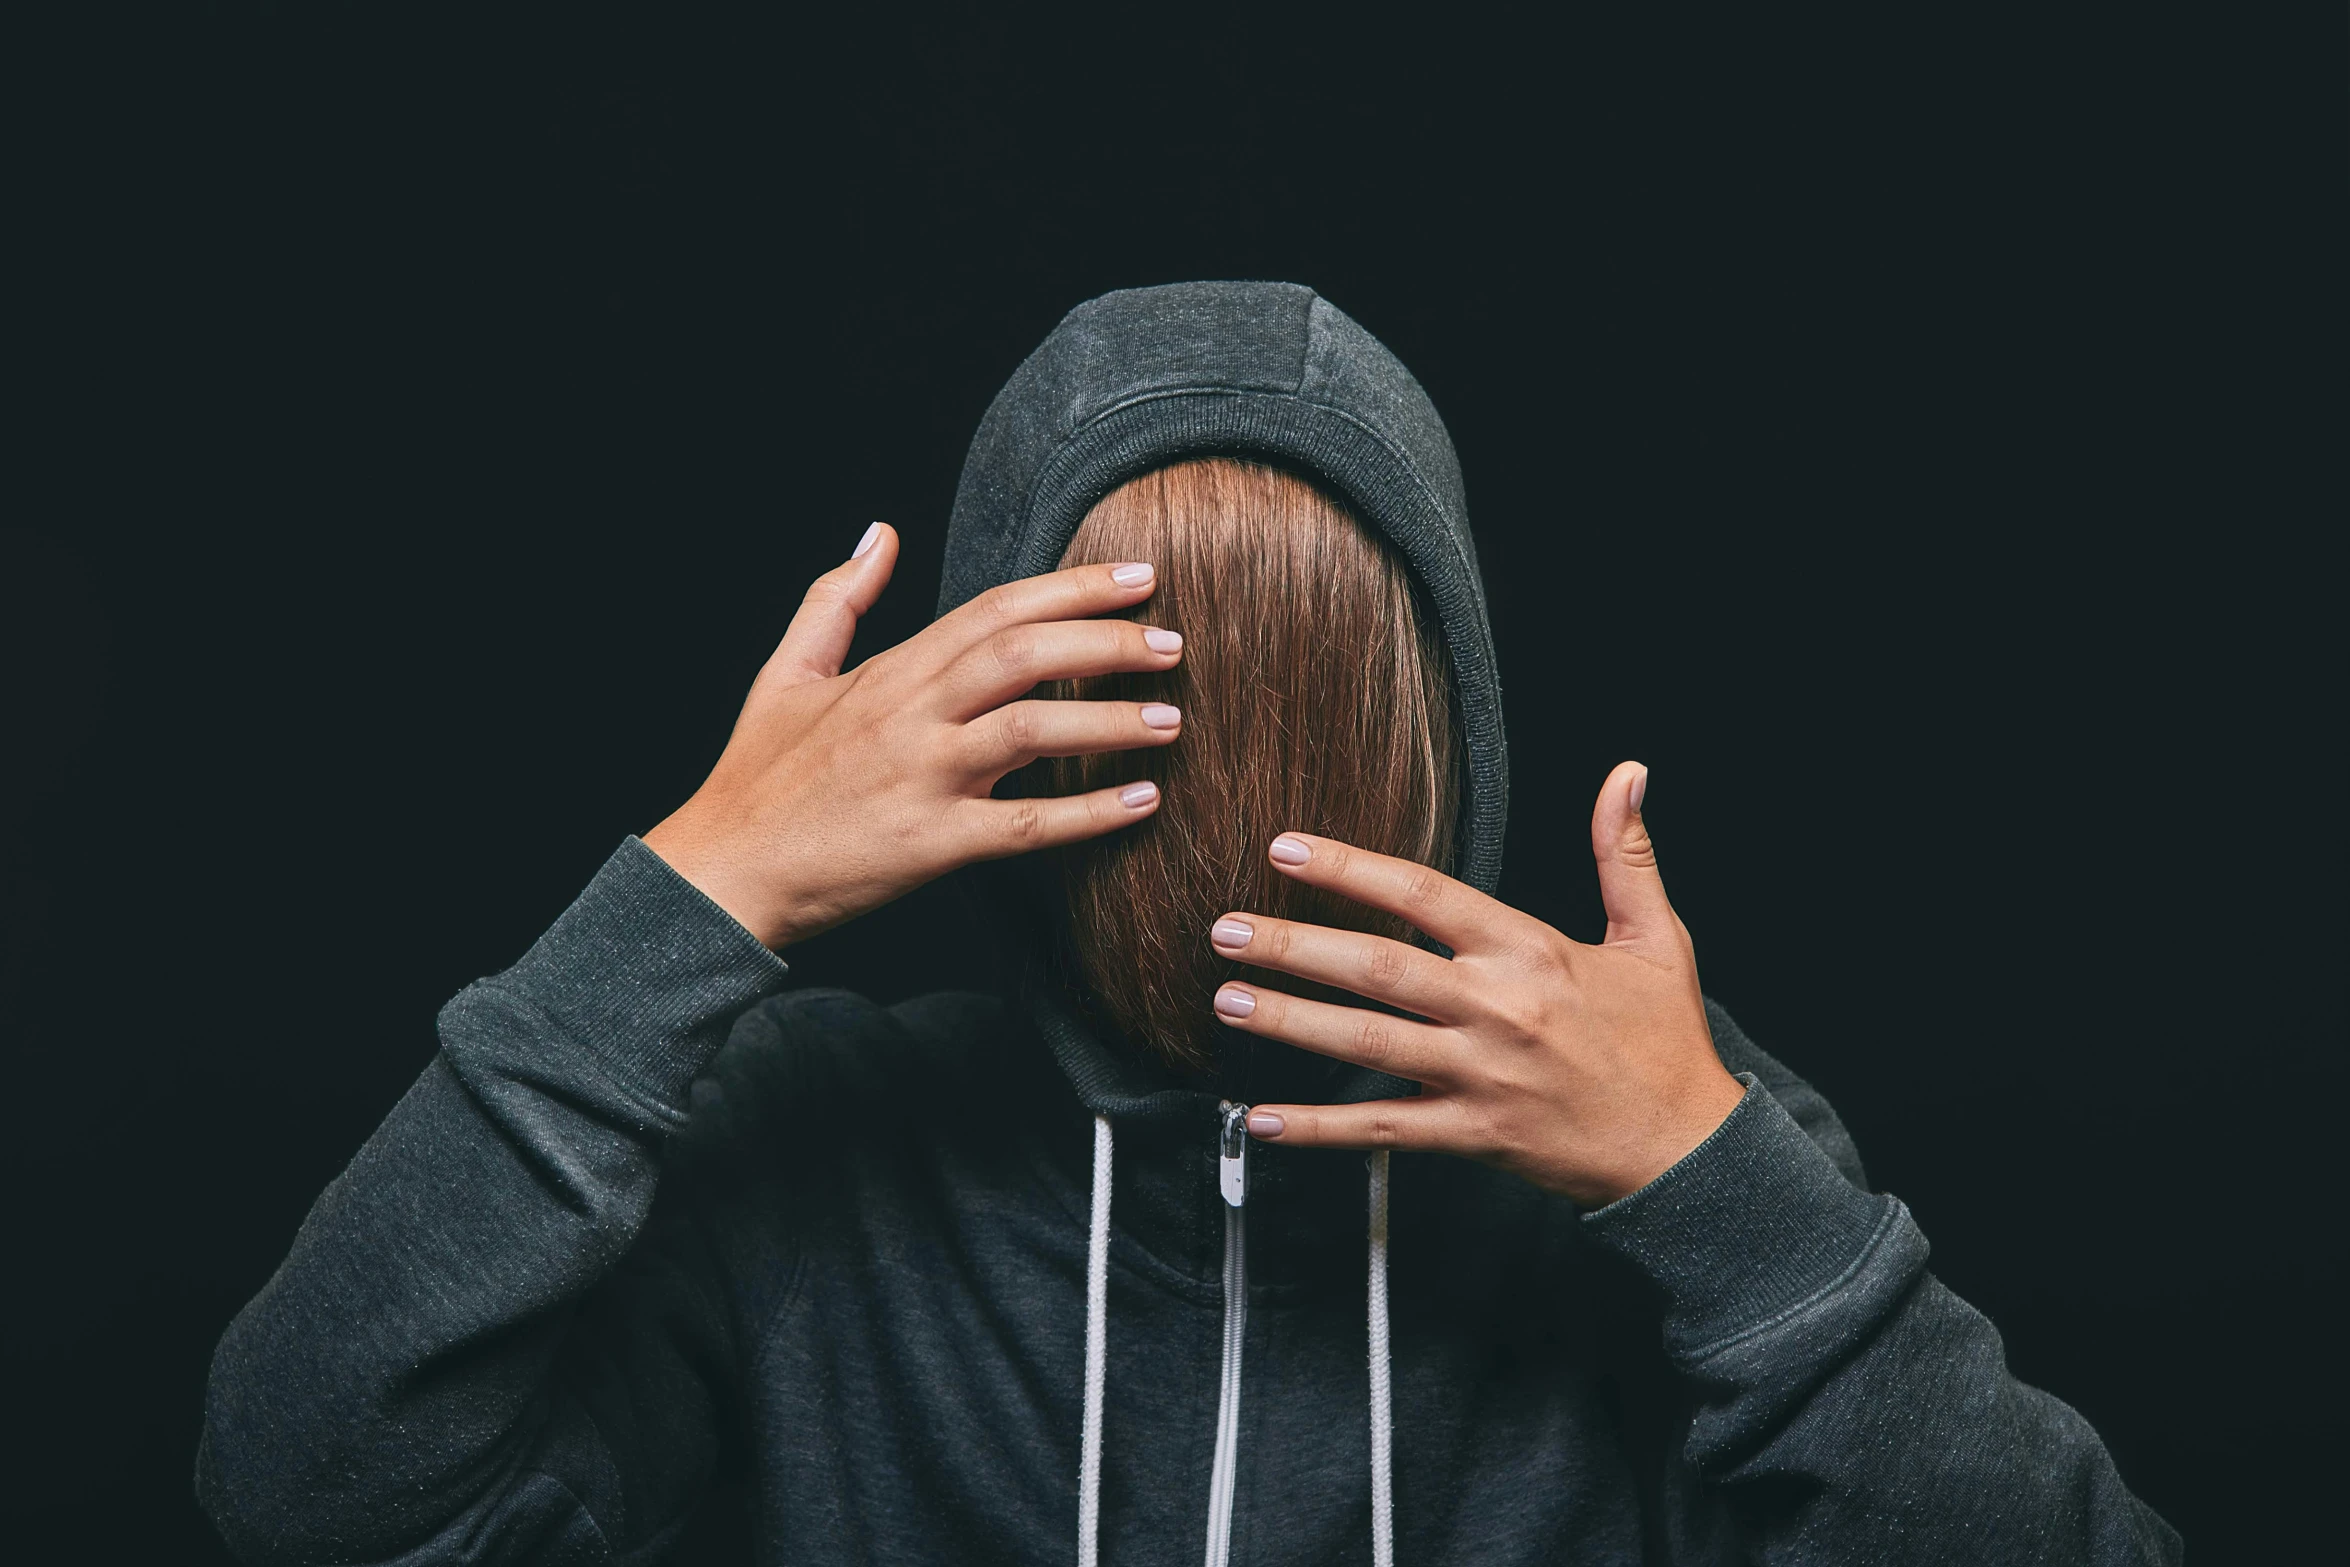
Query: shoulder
point(802, 1068)
point(1806, 1104)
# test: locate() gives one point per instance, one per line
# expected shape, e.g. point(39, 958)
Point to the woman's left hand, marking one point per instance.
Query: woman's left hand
point(1586, 1070)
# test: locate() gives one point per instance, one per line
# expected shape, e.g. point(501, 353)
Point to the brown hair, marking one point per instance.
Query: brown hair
point(1315, 696)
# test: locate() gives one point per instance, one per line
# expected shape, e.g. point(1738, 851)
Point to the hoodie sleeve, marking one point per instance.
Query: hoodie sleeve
point(1847, 1406)
point(485, 1346)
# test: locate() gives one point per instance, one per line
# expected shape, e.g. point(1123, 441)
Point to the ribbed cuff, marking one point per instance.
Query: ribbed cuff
point(645, 972)
point(1753, 1221)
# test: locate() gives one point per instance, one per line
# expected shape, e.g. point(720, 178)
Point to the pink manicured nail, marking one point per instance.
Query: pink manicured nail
point(1264, 1123)
point(1231, 933)
point(1290, 851)
point(1137, 795)
point(1162, 641)
point(1131, 576)
point(1639, 788)
point(1158, 715)
point(1235, 1003)
point(865, 544)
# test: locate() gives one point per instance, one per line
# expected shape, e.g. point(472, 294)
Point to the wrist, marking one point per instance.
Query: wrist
point(728, 879)
point(1753, 1221)
point(1694, 1114)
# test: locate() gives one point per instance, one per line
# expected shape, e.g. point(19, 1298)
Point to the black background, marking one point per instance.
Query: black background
point(1894, 427)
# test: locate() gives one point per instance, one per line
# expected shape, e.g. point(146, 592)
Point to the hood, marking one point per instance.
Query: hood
point(1143, 377)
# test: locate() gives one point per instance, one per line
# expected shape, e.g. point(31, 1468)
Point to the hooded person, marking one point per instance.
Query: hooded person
point(1097, 1269)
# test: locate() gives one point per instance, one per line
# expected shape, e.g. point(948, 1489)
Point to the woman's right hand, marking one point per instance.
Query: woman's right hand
point(838, 792)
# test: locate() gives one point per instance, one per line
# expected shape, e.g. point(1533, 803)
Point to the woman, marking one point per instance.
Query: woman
point(1078, 1270)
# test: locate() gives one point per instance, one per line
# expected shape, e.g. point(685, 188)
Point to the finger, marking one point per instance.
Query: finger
point(1018, 659)
point(1372, 966)
point(1629, 884)
point(996, 829)
point(819, 635)
point(1424, 1125)
point(1017, 734)
point(1453, 912)
point(1423, 1052)
point(1077, 593)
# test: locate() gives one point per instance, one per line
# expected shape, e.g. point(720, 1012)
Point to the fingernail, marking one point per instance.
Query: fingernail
point(1131, 576)
point(1290, 851)
point(1137, 795)
point(865, 544)
point(1163, 641)
point(1158, 715)
point(1264, 1123)
point(1231, 933)
point(1639, 788)
point(1235, 1003)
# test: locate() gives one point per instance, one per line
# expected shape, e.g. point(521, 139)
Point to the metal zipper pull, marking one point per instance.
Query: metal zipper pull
point(1232, 1165)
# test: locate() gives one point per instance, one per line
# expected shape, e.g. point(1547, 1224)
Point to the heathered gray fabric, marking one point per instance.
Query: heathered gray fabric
point(594, 1251)
point(1140, 378)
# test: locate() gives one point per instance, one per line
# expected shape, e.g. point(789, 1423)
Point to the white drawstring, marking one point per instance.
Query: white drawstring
point(1097, 1311)
point(1382, 1410)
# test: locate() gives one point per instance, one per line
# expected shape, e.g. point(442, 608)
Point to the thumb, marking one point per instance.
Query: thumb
point(819, 635)
point(1628, 881)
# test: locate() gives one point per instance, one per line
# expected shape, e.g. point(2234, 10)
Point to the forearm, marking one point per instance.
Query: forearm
point(1925, 1449)
point(387, 1375)
point(1849, 1408)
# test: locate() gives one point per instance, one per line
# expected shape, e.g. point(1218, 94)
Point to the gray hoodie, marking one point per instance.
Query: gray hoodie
point(961, 1281)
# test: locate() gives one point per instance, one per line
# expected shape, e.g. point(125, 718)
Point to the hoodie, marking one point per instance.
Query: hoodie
point(958, 1281)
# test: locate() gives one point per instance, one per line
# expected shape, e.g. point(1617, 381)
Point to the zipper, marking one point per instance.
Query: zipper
point(1232, 1181)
